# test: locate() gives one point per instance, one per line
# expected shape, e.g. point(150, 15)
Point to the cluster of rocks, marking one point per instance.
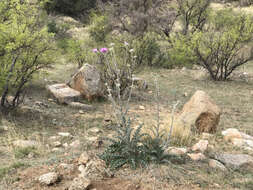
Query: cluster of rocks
point(85, 83)
point(87, 168)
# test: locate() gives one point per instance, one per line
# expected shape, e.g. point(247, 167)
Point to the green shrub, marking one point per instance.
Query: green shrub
point(181, 53)
point(148, 51)
point(99, 28)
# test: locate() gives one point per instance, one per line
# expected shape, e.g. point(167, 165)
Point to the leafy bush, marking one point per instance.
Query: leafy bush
point(25, 47)
point(99, 28)
point(223, 48)
point(148, 52)
point(181, 53)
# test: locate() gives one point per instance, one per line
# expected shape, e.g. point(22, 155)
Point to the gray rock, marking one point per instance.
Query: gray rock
point(49, 178)
point(80, 183)
point(234, 160)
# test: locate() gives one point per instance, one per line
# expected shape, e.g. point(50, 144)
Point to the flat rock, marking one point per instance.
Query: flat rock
point(176, 151)
point(64, 134)
point(26, 144)
point(80, 183)
point(63, 93)
point(49, 178)
point(234, 160)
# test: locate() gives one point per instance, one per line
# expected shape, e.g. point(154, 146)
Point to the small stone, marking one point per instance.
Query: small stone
point(25, 144)
point(81, 168)
point(65, 145)
point(231, 133)
point(53, 138)
point(56, 149)
point(141, 107)
point(83, 159)
point(216, 164)
point(50, 100)
point(94, 130)
point(75, 144)
point(78, 105)
point(197, 156)
point(49, 178)
point(200, 146)
point(81, 112)
point(80, 183)
point(67, 166)
point(185, 94)
point(31, 155)
point(64, 134)
point(56, 144)
point(176, 151)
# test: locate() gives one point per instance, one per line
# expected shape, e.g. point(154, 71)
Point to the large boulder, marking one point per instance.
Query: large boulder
point(88, 82)
point(63, 93)
point(201, 112)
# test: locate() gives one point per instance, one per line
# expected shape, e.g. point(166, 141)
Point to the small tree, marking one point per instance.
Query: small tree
point(25, 47)
point(194, 14)
point(225, 45)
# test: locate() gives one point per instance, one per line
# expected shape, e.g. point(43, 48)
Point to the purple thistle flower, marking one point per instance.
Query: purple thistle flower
point(95, 50)
point(103, 50)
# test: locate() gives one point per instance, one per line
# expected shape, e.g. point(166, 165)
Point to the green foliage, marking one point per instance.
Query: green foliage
point(25, 46)
point(99, 28)
point(126, 148)
point(223, 48)
point(181, 53)
point(75, 8)
point(148, 52)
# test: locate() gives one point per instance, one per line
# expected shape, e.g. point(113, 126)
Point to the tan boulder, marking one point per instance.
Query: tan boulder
point(201, 112)
point(88, 82)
